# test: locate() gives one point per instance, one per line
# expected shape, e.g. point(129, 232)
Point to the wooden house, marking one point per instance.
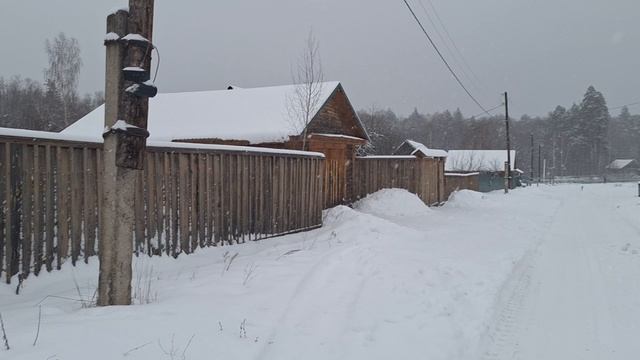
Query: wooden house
point(260, 117)
point(622, 170)
point(489, 164)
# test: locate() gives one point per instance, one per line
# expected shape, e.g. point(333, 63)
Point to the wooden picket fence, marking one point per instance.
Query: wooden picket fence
point(421, 176)
point(186, 198)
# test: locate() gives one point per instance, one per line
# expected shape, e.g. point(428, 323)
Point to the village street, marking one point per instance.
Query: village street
point(577, 295)
point(545, 272)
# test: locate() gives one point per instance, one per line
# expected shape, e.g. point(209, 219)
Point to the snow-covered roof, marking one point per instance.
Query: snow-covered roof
point(257, 115)
point(478, 160)
point(419, 147)
point(619, 164)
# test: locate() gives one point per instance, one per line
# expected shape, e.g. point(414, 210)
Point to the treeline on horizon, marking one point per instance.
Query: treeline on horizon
point(580, 139)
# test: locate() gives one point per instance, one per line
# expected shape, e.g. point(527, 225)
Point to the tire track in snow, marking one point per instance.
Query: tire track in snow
point(570, 303)
point(327, 268)
point(500, 339)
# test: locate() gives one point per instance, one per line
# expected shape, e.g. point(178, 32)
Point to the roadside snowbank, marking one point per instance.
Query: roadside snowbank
point(392, 203)
point(466, 199)
point(371, 284)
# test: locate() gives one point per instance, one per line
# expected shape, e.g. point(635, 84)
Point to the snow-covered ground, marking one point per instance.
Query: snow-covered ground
point(577, 296)
point(540, 272)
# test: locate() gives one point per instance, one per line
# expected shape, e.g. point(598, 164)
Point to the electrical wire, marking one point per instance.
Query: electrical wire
point(453, 73)
point(490, 110)
point(620, 107)
point(455, 46)
point(155, 76)
point(446, 44)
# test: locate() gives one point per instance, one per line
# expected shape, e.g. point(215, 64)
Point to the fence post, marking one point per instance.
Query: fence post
point(506, 177)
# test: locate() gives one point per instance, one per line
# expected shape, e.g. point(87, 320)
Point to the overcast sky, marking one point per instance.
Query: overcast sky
point(543, 52)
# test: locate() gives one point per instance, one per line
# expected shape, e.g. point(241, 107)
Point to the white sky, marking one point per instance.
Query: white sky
point(544, 53)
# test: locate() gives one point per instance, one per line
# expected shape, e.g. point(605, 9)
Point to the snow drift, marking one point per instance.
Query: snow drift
point(467, 199)
point(394, 203)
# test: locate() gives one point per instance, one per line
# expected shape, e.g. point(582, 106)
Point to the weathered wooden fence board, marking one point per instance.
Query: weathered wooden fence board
point(421, 176)
point(454, 182)
point(186, 198)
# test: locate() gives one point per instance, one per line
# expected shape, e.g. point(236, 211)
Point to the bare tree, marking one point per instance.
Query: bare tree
point(308, 79)
point(64, 70)
point(468, 161)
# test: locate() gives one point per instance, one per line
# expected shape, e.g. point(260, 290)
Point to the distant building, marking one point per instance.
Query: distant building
point(410, 147)
point(489, 164)
point(623, 170)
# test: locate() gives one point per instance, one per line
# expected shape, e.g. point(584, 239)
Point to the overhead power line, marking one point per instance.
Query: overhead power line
point(453, 73)
point(446, 45)
point(620, 107)
point(455, 46)
point(490, 110)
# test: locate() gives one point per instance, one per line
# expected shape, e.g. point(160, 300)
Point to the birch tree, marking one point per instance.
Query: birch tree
point(308, 79)
point(64, 70)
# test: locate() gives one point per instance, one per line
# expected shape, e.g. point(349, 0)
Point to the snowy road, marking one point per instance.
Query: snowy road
point(543, 273)
point(578, 295)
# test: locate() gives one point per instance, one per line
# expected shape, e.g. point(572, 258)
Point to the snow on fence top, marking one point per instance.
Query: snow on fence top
point(419, 147)
point(45, 135)
point(478, 160)
point(340, 136)
point(257, 115)
point(392, 157)
point(462, 174)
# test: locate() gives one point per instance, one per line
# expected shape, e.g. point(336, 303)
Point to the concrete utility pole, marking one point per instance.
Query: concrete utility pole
point(507, 170)
point(127, 89)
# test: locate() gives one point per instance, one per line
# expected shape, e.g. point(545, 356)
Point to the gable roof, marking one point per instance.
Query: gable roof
point(478, 160)
point(423, 149)
point(619, 164)
point(257, 115)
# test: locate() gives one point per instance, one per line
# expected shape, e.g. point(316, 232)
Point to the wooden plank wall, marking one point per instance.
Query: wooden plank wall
point(455, 182)
point(421, 176)
point(334, 183)
point(186, 198)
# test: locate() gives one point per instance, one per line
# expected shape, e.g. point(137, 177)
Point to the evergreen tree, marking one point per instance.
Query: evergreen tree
point(594, 125)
